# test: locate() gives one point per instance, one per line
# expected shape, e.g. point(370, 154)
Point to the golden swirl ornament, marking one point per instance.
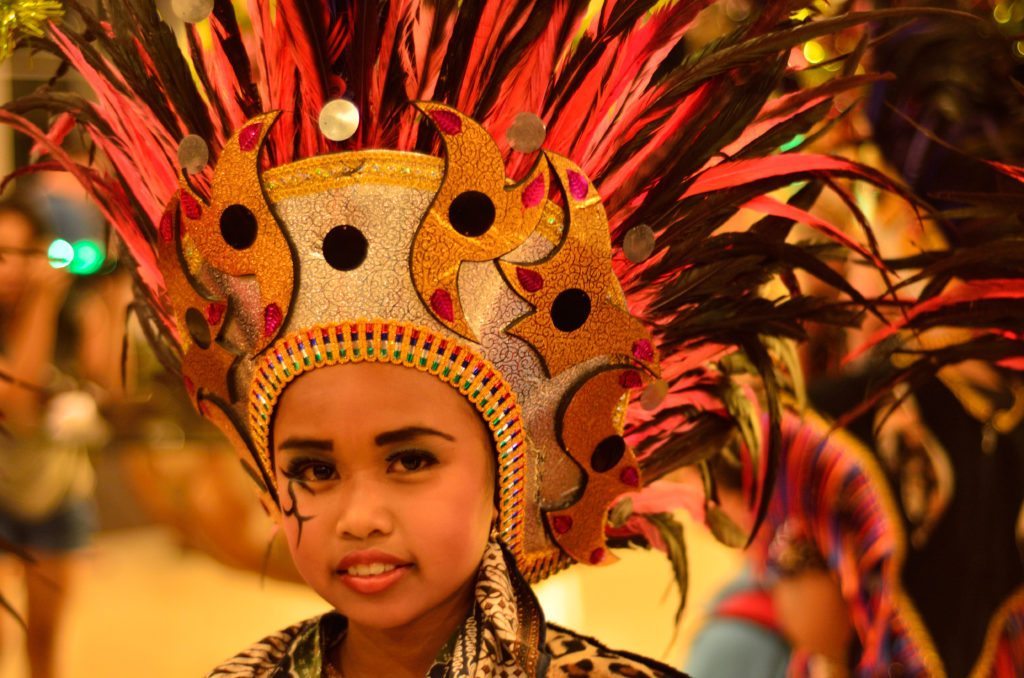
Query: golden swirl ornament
point(475, 216)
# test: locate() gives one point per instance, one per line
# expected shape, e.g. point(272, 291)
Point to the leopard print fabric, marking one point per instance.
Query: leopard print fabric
point(504, 637)
point(576, 656)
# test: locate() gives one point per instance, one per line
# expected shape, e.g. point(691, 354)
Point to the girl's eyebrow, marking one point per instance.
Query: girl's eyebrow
point(408, 433)
point(320, 444)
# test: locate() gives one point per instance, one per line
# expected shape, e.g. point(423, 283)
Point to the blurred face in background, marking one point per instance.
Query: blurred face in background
point(16, 237)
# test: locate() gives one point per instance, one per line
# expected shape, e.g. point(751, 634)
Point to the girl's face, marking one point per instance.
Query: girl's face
point(386, 479)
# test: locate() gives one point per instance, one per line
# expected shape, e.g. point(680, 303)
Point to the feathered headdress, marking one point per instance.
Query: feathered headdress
point(550, 286)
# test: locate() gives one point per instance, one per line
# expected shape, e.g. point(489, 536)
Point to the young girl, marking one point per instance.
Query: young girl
point(409, 318)
point(390, 434)
point(390, 516)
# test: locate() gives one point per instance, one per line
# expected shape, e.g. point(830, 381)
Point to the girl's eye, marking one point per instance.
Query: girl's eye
point(310, 470)
point(410, 461)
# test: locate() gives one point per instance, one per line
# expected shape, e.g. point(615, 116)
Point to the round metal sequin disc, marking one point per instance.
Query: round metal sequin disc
point(654, 395)
point(339, 119)
point(192, 11)
point(527, 132)
point(193, 154)
point(638, 243)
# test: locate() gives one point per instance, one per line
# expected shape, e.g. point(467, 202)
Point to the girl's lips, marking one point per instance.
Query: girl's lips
point(374, 583)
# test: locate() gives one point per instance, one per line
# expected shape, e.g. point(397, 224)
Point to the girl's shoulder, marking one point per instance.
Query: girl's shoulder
point(284, 654)
point(579, 656)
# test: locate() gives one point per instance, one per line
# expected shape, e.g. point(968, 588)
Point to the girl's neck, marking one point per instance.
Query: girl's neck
point(406, 651)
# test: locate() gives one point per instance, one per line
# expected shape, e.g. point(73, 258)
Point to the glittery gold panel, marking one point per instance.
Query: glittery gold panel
point(378, 198)
point(491, 304)
point(237, 233)
point(591, 437)
point(574, 291)
point(455, 363)
point(475, 216)
point(205, 362)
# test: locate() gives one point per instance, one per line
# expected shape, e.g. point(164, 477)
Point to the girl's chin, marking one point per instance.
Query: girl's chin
point(380, 617)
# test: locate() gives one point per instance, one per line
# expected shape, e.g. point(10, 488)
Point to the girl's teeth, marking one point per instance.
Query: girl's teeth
point(370, 569)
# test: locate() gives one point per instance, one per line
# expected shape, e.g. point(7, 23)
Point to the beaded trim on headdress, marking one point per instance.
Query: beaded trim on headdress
point(411, 346)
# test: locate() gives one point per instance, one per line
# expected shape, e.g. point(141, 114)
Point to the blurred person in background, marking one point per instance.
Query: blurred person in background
point(46, 480)
point(821, 595)
point(939, 403)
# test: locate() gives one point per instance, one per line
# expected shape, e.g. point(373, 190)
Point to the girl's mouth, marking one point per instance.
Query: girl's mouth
point(372, 578)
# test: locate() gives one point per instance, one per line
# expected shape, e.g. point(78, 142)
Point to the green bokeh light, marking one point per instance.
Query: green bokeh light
point(88, 259)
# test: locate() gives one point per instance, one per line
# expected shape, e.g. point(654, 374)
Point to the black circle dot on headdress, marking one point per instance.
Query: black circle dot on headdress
point(607, 454)
point(570, 309)
point(198, 328)
point(238, 227)
point(471, 213)
point(345, 247)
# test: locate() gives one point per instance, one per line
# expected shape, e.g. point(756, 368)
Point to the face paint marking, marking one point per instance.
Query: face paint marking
point(294, 511)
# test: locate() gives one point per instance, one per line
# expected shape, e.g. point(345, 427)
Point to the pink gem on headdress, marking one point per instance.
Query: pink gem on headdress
point(442, 304)
point(596, 556)
point(190, 206)
point(578, 185)
point(630, 379)
point(561, 524)
point(250, 136)
point(642, 350)
point(167, 227)
point(534, 193)
point(272, 319)
point(448, 122)
point(214, 312)
point(530, 280)
point(630, 476)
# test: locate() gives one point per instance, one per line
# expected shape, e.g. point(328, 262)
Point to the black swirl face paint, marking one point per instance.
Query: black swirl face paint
point(294, 511)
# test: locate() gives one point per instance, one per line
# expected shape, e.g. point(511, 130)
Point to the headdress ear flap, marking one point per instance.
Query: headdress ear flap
point(261, 473)
point(199, 319)
point(475, 216)
point(588, 433)
point(206, 364)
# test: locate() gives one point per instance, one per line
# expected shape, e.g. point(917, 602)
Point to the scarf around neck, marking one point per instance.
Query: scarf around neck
point(503, 635)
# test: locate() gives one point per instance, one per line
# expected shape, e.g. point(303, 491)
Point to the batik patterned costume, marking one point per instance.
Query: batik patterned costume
point(506, 635)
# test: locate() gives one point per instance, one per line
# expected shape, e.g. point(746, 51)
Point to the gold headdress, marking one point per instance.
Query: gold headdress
point(441, 265)
point(296, 250)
